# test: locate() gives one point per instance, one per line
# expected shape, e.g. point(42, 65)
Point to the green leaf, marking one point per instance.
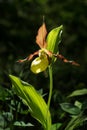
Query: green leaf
point(22, 124)
point(70, 108)
point(3, 94)
point(8, 116)
point(78, 92)
point(76, 121)
point(37, 106)
point(78, 104)
point(56, 126)
point(53, 39)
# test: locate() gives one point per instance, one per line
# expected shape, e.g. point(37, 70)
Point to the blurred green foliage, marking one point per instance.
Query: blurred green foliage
point(19, 22)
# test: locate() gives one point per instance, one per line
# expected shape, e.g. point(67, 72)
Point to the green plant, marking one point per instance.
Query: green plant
point(46, 57)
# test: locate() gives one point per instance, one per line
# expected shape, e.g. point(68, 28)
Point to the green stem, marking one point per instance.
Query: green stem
point(51, 85)
point(49, 98)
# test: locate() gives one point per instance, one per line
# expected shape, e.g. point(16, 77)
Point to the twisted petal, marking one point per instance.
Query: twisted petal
point(41, 36)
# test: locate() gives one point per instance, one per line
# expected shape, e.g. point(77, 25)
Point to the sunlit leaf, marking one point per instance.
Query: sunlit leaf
point(53, 39)
point(33, 100)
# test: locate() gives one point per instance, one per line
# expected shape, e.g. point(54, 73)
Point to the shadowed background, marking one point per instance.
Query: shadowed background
point(19, 22)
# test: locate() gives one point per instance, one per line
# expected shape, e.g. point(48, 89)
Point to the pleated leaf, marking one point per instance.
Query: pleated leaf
point(33, 100)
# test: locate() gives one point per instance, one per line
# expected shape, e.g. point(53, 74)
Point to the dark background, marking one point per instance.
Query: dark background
point(19, 22)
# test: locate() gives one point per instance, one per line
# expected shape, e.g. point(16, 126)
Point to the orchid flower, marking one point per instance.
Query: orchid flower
point(48, 45)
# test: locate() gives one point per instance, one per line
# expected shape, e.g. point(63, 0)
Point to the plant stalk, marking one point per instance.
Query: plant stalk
point(51, 86)
point(49, 98)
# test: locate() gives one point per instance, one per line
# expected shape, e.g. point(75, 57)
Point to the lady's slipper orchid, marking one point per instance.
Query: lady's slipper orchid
point(41, 63)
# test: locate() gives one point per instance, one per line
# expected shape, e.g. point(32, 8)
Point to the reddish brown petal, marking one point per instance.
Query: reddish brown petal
point(41, 36)
point(30, 57)
point(66, 60)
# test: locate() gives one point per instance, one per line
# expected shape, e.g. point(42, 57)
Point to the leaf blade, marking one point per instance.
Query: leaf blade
point(70, 108)
point(54, 38)
point(78, 92)
point(33, 100)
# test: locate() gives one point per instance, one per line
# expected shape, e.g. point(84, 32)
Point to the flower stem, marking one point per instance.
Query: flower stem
point(49, 98)
point(51, 85)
